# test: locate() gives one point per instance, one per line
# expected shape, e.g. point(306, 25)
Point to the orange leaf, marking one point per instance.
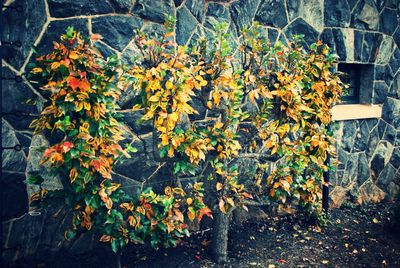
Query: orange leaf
point(219, 186)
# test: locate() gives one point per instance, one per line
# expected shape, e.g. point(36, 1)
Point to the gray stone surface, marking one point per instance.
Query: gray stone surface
point(154, 10)
point(380, 92)
point(381, 157)
point(386, 176)
point(122, 6)
point(117, 31)
point(312, 11)
point(385, 50)
point(337, 13)
point(358, 45)
point(67, 8)
point(185, 25)
point(340, 46)
point(360, 143)
point(395, 87)
point(243, 12)
point(24, 27)
point(218, 12)
point(364, 172)
point(14, 98)
point(349, 135)
point(368, 15)
point(300, 26)
point(391, 109)
point(196, 7)
point(11, 160)
point(372, 142)
point(389, 21)
point(272, 13)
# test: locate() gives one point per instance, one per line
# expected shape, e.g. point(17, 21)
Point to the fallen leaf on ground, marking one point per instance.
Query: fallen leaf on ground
point(375, 220)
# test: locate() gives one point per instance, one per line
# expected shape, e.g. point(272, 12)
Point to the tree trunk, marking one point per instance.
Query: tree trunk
point(219, 247)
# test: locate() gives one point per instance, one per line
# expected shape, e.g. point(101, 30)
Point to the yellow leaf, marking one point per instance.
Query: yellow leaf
point(189, 201)
point(218, 125)
point(174, 116)
point(154, 98)
point(169, 85)
point(73, 55)
point(55, 65)
point(375, 220)
point(217, 98)
point(37, 70)
point(209, 105)
point(222, 205)
point(73, 174)
point(87, 106)
point(229, 200)
point(164, 139)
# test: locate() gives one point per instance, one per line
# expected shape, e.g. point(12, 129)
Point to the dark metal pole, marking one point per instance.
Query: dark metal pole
point(325, 185)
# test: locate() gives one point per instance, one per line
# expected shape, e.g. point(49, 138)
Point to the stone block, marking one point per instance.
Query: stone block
point(196, 7)
point(391, 109)
point(15, 96)
point(381, 157)
point(388, 19)
point(337, 13)
point(370, 193)
point(153, 10)
point(216, 12)
point(300, 26)
point(360, 143)
point(67, 8)
point(337, 196)
point(310, 10)
point(381, 91)
point(385, 50)
point(349, 135)
point(12, 161)
point(243, 12)
point(117, 31)
point(364, 172)
point(185, 25)
point(23, 27)
point(366, 15)
point(272, 13)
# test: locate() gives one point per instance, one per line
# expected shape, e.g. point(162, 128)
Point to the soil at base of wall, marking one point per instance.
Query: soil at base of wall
point(355, 237)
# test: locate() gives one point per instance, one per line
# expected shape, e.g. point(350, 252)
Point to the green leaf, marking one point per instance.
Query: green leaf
point(115, 245)
point(34, 179)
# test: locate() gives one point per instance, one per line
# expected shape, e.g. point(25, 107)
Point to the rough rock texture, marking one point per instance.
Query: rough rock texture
point(272, 13)
point(117, 31)
point(364, 32)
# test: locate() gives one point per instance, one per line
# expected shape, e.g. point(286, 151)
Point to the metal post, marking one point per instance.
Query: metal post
point(325, 185)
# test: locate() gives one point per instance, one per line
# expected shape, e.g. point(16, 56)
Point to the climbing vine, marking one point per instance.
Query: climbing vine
point(83, 88)
point(280, 95)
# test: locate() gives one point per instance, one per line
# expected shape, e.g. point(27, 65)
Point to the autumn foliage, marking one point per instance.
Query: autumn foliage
point(281, 95)
point(83, 88)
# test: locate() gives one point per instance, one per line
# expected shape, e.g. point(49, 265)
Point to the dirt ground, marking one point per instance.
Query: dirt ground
point(354, 237)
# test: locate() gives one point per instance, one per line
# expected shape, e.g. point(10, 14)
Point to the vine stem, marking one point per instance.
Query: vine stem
point(118, 260)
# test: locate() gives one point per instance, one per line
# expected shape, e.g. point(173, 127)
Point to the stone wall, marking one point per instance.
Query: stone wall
point(364, 31)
